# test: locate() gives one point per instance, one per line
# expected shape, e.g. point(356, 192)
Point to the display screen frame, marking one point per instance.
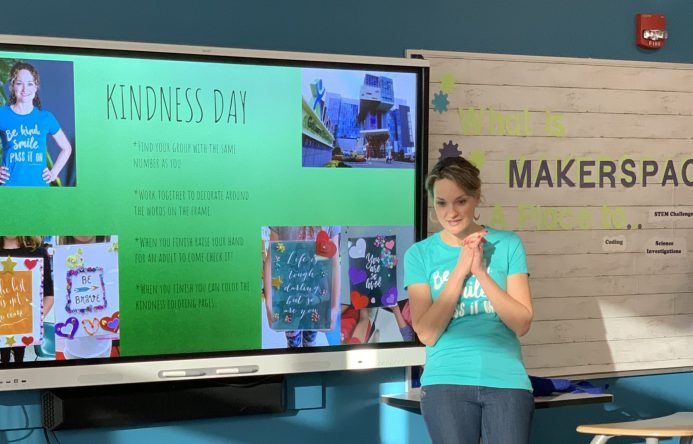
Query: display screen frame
point(181, 366)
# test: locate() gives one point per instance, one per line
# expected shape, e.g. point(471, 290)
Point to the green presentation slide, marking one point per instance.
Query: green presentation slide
point(180, 164)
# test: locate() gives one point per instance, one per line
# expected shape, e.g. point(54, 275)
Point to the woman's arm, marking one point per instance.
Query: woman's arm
point(267, 279)
point(362, 330)
point(48, 284)
point(47, 305)
point(430, 318)
point(336, 283)
point(65, 153)
point(513, 306)
point(4, 174)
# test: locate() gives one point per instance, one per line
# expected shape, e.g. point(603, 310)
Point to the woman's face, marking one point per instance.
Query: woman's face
point(84, 239)
point(454, 207)
point(25, 87)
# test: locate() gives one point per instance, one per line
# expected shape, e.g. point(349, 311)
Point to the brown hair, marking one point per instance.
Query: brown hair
point(32, 242)
point(70, 240)
point(13, 77)
point(457, 169)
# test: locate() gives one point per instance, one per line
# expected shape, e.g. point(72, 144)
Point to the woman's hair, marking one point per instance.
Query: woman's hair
point(13, 77)
point(32, 242)
point(70, 240)
point(457, 169)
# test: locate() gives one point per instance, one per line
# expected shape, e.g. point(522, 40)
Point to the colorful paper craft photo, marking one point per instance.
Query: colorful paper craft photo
point(301, 286)
point(21, 293)
point(87, 310)
point(373, 271)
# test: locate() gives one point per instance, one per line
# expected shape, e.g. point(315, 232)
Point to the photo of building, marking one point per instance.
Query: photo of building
point(358, 119)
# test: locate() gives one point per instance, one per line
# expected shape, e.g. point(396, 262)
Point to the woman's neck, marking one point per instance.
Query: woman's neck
point(10, 244)
point(22, 108)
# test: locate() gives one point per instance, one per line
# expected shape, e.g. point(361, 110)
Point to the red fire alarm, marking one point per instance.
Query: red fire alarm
point(650, 30)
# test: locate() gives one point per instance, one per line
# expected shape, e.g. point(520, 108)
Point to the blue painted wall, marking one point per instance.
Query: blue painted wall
point(352, 413)
point(588, 28)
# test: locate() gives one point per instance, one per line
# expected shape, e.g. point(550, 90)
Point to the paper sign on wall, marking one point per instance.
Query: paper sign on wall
point(21, 294)
point(301, 286)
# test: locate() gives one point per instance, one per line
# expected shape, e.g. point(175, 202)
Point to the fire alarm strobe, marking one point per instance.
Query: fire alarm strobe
point(651, 30)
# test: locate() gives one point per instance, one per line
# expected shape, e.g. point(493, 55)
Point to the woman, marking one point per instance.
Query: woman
point(470, 300)
point(23, 130)
point(24, 247)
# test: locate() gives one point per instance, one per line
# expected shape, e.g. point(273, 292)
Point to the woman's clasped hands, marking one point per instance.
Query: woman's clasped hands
point(471, 258)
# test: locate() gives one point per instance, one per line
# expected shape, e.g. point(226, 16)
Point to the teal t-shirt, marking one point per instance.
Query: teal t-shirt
point(476, 348)
point(23, 139)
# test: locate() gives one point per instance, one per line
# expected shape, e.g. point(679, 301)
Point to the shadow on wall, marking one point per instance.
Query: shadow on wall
point(351, 415)
point(21, 417)
point(635, 397)
point(568, 335)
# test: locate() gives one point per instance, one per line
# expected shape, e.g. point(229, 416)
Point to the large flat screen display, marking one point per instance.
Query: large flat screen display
point(182, 212)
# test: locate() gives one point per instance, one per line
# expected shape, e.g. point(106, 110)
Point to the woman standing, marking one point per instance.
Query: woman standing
point(470, 300)
point(24, 127)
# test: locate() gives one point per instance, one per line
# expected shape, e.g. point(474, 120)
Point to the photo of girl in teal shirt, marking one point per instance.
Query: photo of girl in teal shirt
point(24, 128)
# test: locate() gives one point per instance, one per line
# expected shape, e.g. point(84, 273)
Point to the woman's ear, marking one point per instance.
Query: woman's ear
point(477, 197)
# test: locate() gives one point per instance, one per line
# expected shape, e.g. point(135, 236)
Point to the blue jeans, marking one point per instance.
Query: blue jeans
point(301, 338)
point(460, 414)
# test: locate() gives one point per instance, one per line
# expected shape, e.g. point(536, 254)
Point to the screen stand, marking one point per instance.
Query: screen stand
point(140, 404)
